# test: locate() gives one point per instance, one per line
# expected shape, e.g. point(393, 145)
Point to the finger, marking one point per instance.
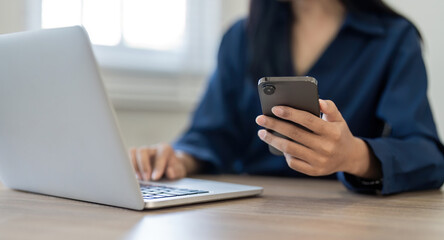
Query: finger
point(301, 166)
point(300, 117)
point(133, 157)
point(163, 155)
point(330, 111)
point(175, 170)
point(289, 130)
point(171, 173)
point(144, 163)
point(152, 153)
point(294, 149)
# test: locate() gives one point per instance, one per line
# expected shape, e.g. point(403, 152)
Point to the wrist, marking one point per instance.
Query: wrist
point(364, 163)
point(191, 164)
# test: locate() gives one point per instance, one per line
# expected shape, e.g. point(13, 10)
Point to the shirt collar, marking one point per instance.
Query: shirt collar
point(365, 23)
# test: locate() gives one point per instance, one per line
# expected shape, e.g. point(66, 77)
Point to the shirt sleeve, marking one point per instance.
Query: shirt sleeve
point(411, 156)
point(213, 136)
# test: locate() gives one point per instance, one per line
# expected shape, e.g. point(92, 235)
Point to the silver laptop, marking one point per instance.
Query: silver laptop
point(58, 131)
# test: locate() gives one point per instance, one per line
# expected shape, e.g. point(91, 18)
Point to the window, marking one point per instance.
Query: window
point(151, 35)
point(154, 54)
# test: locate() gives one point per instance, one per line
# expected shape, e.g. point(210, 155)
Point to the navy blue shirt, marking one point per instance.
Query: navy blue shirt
point(374, 72)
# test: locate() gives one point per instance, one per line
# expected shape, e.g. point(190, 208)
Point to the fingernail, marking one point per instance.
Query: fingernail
point(145, 177)
point(260, 120)
point(278, 111)
point(261, 133)
point(155, 175)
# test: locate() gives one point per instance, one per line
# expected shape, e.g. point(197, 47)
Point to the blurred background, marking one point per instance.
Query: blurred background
point(156, 55)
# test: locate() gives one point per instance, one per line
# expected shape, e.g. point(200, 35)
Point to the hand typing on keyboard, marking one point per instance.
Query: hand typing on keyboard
point(152, 163)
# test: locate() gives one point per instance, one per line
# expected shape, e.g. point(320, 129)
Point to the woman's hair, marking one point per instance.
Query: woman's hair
point(269, 32)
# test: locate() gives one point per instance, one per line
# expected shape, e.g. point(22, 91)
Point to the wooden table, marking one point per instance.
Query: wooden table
point(288, 209)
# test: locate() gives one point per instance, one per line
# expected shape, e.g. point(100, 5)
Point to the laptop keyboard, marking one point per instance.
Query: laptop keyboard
point(150, 192)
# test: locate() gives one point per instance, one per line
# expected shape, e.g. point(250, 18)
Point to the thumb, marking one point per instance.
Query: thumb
point(330, 111)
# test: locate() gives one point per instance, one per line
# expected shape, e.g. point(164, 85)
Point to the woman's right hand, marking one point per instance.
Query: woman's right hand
point(152, 163)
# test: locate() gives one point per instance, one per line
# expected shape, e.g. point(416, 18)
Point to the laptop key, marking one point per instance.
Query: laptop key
point(150, 192)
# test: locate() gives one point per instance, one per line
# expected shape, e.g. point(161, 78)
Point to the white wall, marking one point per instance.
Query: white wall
point(145, 127)
point(150, 127)
point(11, 16)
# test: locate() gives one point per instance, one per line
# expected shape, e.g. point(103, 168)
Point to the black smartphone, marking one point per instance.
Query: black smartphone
point(296, 92)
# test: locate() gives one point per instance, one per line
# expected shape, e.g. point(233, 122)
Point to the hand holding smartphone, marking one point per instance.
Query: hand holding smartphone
point(296, 92)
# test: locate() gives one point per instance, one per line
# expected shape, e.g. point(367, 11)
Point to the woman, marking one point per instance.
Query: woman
point(377, 133)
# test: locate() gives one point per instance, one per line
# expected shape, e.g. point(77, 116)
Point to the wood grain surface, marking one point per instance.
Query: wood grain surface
point(288, 209)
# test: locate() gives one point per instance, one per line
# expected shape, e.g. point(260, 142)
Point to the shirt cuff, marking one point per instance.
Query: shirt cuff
point(361, 185)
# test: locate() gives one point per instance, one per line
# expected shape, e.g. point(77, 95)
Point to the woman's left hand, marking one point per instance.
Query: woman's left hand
point(329, 148)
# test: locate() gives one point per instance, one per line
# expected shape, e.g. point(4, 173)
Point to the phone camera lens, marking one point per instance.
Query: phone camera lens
point(269, 89)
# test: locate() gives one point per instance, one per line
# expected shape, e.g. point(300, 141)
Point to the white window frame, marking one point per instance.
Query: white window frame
point(199, 35)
